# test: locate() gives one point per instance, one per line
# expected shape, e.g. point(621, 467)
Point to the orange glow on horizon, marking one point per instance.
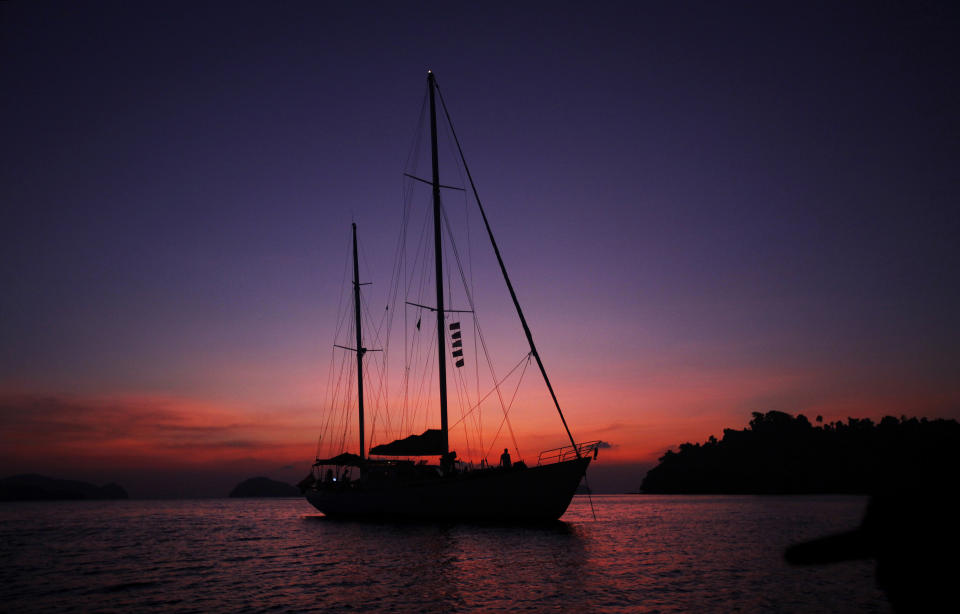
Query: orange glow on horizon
point(637, 425)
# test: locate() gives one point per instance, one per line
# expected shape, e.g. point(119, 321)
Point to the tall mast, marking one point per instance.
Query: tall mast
point(438, 259)
point(360, 349)
point(503, 270)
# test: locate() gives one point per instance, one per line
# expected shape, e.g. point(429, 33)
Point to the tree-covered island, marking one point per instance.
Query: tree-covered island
point(783, 454)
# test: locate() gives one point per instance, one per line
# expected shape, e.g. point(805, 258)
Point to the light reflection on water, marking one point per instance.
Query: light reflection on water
point(643, 553)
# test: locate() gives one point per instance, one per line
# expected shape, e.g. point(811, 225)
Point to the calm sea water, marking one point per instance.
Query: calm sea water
point(642, 554)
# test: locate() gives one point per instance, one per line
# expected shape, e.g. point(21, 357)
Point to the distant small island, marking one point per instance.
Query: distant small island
point(783, 454)
point(33, 487)
point(264, 487)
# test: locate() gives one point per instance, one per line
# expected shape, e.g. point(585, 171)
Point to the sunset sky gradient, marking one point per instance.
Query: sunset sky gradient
point(707, 209)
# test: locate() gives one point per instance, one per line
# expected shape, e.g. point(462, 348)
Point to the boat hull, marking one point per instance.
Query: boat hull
point(533, 494)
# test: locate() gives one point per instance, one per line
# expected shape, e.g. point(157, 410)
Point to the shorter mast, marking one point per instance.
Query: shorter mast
point(360, 349)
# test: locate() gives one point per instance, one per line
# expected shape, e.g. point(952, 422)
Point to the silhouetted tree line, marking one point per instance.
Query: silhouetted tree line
point(780, 453)
point(33, 487)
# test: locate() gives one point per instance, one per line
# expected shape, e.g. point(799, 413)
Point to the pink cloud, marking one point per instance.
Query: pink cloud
point(145, 431)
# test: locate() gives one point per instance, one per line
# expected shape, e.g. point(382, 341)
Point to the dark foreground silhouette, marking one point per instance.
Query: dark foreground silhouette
point(32, 487)
point(782, 454)
point(264, 487)
point(911, 529)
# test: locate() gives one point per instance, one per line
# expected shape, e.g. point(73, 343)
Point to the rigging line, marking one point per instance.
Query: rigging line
point(505, 413)
point(381, 337)
point(512, 401)
point(476, 375)
point(378, 392)
point(458, 163)
point(408, 196)
point(410, 343)
point(463, 397)
point(418, 134)
point(467, 290)
point(506, 278)
point(328, 395)
point(470, 285)
point(523, 360)
point(416, 271)
point(423, 369)
point(421, 249)
point(378, 338)
point(417, 372)
point(341, 312)
point(401, 273)
point(446, 187)
point(365, 308)
point(410, 349)
point(341, 320)
point(400, 254)
point(340, 404)
point(418, 385)
point(378, 370)
point(397, 276)
point(325, 406)
point(446, 265)
point(589, 495)
point(466, 405)
point(382, 397)
point(422, 271)
point(398, 272)
point(476, 321)
point(333, 393)
point(376, 328)
point(458, 389)
point(381, 393)
point(346, 425)
point(393, 292)
point(347, 398)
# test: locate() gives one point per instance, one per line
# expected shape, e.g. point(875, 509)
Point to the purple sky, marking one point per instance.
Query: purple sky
point(757, 202)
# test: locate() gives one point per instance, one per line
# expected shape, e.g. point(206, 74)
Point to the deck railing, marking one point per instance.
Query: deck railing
point(558, 455)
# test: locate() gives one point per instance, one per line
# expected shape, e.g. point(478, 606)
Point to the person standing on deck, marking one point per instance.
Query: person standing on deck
point(505, 459)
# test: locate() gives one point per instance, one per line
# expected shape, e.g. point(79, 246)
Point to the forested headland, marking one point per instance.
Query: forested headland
point(33, 487)
point(782, 453)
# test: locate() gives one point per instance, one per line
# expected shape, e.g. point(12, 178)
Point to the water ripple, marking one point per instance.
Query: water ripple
point(643, 554)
